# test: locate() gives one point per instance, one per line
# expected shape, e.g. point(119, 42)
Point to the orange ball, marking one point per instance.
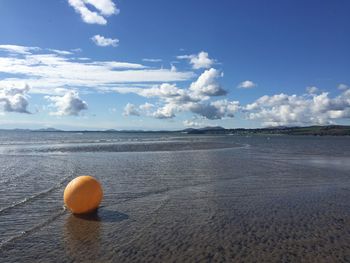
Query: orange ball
point(83, 194)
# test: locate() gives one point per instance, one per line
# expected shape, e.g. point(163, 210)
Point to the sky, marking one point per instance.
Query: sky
point(168, 65)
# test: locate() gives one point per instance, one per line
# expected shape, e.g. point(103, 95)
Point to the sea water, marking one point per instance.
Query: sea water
point(176, 197)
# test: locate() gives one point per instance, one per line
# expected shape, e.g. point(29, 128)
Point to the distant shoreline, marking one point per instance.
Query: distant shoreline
point(329, 130)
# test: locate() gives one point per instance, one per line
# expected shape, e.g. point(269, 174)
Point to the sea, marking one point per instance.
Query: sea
point(175, 197)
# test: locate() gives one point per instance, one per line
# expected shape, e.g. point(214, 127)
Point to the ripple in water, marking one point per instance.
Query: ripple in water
point(184, 198)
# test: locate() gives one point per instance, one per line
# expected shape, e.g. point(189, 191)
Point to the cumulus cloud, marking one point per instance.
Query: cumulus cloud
point(131, 110)
point(134, 110)
point(165, 92)
point(206, 84)
point(206, 110)
point(14, 99)
point(147, 107)
point(312, 89)
point(203, 88)
point(68, 104)
point(201, 60)
point(247, 84)
point(195, 99)
point(104, 8)
point(216, 109)
point(105, 42)
point(226, 108)
point(166, 112)
point(288, 110)
point(191, 123)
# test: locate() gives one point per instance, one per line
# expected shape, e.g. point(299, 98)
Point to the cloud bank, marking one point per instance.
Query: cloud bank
point(289, 110)
point(60, 74)
point(198, 99)
point(44, 70)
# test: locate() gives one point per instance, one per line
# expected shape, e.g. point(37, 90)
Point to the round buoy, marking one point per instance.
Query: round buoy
point(83, 194)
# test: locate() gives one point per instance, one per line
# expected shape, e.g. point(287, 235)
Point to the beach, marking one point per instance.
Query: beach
point(176, 198)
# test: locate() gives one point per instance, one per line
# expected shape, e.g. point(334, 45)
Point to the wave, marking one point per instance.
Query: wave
point(36, 195)
point(33, 229)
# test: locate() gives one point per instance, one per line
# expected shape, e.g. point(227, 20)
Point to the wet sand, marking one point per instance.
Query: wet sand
point(250, 204)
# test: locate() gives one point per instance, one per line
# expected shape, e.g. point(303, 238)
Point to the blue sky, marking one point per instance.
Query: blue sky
point(88, 64)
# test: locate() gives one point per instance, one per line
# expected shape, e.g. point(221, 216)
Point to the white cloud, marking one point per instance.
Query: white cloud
point(166, 112)
point(103, 8)
point(14, 99)
point(83, 58)
point(203, 88)
point(206, 84)
point(290, 110)
point(312, 89)
point(76, 50)
point(152, 59)
point(206, 110)
point(343, 86)
point(105, 42)
point(18, 49)
point(118, 65)
point(215, 110)
point(165, 92)
point(106, 7)
point(189, 123)
point(201, 60)
point(68, 104)
point(61, 52)
point(173, 68)
point(46, 71)
point(195, 99)
point(146, 107)
point(131, 110)
point(247, 84)
point(226, 108)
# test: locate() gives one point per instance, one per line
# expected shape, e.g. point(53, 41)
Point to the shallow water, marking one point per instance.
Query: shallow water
point(176, 198)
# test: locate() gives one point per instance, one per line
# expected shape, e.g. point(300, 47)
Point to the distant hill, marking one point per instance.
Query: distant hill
point(332, 130)
point(329, 130)
point(212, 128)
point(209, 130)
point(48, 130)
